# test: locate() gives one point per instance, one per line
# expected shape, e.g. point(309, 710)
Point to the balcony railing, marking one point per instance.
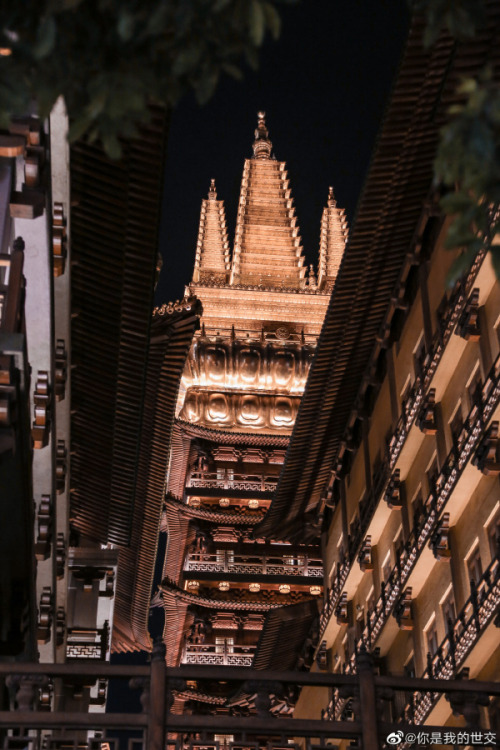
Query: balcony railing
point(463, 634)
point(87, 644)
point(467, 443)
point(230, 655)
point(227, 561)
point(230, 481)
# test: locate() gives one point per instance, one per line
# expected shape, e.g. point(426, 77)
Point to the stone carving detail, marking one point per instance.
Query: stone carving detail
point(392, 494)
point(45, 612)
point(61, 466)
point(256, 365)
point(61, 360)
point(365, 555)
point(255, 411)
point(59, 239)
point(41, 426)
point(486, 458)
point(468, 324)
point(440, 541)
point(43, 542)
point(426, 419)
point(60, 555)
point(341, 610)
point(402, 610)
point(60, 626)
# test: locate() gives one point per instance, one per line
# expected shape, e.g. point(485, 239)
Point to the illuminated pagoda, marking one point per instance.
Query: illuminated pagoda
point(225, 592)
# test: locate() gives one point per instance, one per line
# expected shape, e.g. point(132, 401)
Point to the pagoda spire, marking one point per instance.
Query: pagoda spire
point(262, 146)
point(333, 238)
point(267, 245)
point(212, 261)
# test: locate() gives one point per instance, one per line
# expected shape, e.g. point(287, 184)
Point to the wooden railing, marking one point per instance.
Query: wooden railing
point(466, 445)
point(258, 697)
point(231, 655)
point(231, 481)
point(227, 561)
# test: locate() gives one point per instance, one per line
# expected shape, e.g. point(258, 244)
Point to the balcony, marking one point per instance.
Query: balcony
point(228, 480)
point(87, 644)
point(470, 624)
point(231, 655)
point(468, 441)
point(226, 561)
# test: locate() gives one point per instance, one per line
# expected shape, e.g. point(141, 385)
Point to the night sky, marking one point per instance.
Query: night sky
point(323, 85)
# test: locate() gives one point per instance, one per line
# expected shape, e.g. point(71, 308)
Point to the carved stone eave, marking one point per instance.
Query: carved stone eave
point(246, 308)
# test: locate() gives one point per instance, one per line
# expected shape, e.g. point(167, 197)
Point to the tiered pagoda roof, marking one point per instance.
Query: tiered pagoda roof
point(267, 245)
point(333, 238)
point(212, 248)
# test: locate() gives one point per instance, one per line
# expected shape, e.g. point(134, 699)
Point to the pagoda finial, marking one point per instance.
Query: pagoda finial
point(331, 198)
point(312, 277)
point(262, 145)
point(212, 193)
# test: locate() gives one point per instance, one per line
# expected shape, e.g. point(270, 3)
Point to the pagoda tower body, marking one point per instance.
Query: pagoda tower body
point(240, 394)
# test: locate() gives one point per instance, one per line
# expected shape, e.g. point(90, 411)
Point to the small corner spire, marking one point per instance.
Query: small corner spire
point(262, 145)
point(212, 193)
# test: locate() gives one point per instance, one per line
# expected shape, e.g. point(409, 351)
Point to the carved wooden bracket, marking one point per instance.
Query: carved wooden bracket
point(45, 613)
point(59, 250)
point(109, 586)
point(341, 610)
point(468, 323)
point(88, 575)
point(392, 494)
point(60, 626)
point(42, 397)
point(426, 418)
point(100, 699)
point(61, 361)
point(486, 455)
point(61, 466)
point(44, 538)
point(60, 555)
point(365, 555)
point(402, 610)
point(440, 541)
point(322, 656)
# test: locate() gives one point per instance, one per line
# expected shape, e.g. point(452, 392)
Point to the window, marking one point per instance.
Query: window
point(419, 355)
point(224, 645)
point(448, 609)
point(456, 423)
point(417, 508)
point(398, 543)
point(474, 565)
point(431, 638)
point(224, 740)
point(432, 474)
point(370, 604)
point(409, 668)
point(405, 393)
point(497, 329)
point(474, 387)
point(493, 531)
point(386, 567)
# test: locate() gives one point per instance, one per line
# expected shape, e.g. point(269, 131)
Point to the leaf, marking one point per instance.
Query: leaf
point(257, 22)
point(273, 19)
point(232, 70)
point(126, 25)
point(111, 146)
point(46, 38)
point(79, 127)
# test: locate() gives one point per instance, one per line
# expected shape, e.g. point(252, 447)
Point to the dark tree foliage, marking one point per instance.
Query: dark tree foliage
point(468, 158)
point(109, 58)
